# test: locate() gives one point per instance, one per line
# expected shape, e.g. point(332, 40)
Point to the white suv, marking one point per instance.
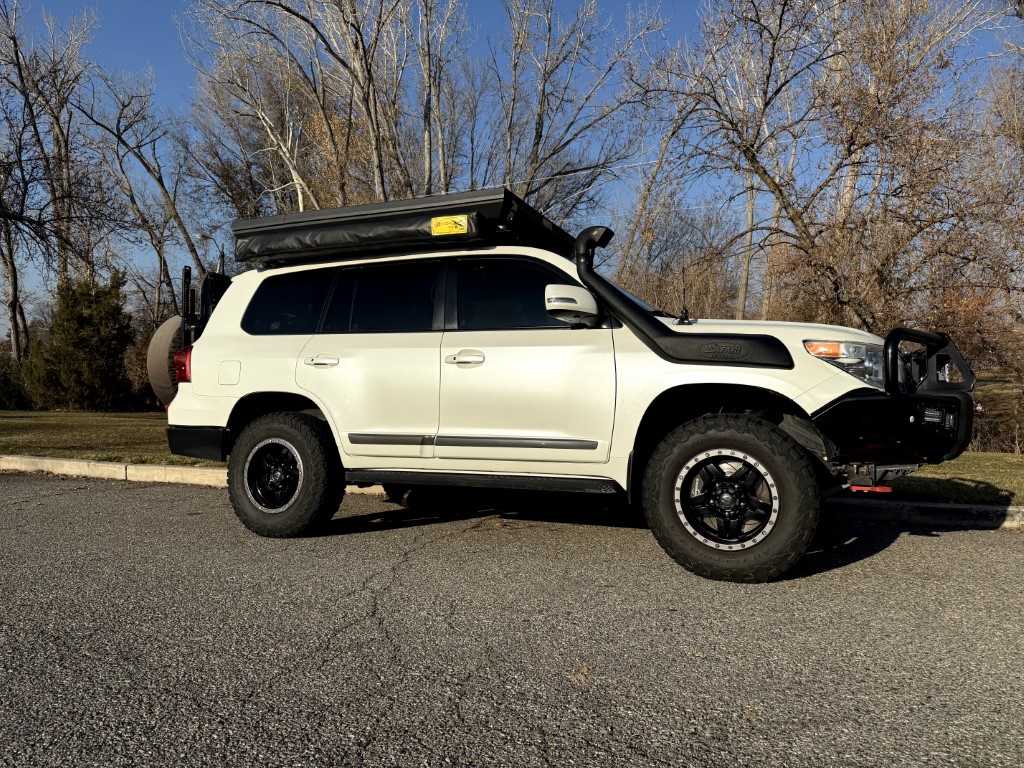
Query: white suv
point(465, 340)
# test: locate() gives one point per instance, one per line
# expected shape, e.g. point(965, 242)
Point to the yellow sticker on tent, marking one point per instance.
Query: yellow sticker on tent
point(449, 225)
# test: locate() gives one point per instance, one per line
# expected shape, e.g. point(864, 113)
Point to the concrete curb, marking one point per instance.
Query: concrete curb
point(162, 473)
point(868, 510)
point(106, 470)
point(213, 477)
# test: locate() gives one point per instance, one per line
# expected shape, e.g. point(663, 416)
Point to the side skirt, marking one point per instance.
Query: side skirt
point(466, 480)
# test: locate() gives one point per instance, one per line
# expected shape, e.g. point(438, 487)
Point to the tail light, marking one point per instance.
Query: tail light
point(183, 365)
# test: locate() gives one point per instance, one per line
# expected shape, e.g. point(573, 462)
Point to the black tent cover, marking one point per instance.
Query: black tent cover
point(481, 218)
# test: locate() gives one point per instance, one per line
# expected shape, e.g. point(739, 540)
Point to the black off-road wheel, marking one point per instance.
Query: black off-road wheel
point(732, 498)
point(284, 475)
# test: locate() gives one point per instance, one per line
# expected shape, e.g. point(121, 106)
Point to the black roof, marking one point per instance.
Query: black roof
point(482, 218)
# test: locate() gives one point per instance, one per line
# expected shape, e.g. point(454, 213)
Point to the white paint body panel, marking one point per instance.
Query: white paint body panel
point(385, 383)
point(544, 383)
point(583, 384)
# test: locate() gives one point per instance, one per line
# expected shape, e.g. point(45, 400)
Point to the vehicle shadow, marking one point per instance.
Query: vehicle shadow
point(954, 490)
point(843, 537)
point(391, 517)
point(851, 529)
point(431, 507)
point(841, 541)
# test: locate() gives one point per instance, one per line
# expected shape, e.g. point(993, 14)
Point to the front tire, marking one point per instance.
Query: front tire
point(732, 498)
point(284, 475)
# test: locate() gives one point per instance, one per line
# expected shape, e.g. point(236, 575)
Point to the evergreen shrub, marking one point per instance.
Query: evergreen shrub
point(82, 366)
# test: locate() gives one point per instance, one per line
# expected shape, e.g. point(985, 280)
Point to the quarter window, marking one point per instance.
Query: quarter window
point(288, 304)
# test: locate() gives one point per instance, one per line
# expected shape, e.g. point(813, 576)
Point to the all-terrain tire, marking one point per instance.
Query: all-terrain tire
point(731, 497)
point(284, 475)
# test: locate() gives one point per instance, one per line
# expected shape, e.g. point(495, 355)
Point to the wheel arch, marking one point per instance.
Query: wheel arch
point(258, 404)
point(681, 404)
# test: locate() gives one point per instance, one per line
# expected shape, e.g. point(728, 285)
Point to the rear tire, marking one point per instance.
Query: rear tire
point(284, 475)
point(732, 498)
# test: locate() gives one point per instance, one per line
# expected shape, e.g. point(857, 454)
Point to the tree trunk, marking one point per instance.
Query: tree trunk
point(12, 300)
point(748, 249)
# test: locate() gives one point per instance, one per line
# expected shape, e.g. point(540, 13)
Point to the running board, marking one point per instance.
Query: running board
point(510, 482)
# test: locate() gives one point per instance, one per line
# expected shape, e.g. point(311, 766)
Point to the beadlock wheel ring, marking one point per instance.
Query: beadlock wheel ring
point(726, 499)
point(273, 475)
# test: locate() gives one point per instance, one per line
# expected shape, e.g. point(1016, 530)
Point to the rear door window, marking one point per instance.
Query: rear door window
point(384, 298)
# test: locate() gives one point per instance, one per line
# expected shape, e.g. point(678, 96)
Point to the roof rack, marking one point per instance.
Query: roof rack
point(481, 218)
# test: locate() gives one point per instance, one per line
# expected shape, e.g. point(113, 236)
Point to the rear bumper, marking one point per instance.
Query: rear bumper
point(199, 442)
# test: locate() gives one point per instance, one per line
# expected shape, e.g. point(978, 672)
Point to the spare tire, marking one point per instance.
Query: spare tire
point(160, 359)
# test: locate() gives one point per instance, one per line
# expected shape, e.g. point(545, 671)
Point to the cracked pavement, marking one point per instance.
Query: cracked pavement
point(143, 625)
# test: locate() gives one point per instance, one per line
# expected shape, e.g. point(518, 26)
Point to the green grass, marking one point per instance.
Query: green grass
point(131, 438)
point(973, 478)
point(1000, 426)
point(139, 438)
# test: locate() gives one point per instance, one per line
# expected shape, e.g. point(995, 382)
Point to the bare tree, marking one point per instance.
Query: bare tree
point(437, 34)
point(44, 77)
point(128, 130)
point(339, 46)
point(18, 220)
point(663, 177)
point(844, 115)
point(227, 160)
point(751, 81)
point(687, 259)
point(55, 201)
point(326, 83)
point(152, 217)
point(999, 178)
point(259, 79)
point(563, 102)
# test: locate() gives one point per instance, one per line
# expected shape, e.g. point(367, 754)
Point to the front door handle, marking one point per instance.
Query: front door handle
point(466, 357)
point(322, 361)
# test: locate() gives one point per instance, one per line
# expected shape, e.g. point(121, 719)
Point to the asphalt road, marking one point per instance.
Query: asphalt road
point(143, 625)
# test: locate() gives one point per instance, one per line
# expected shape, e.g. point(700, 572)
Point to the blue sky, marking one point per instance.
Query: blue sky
point(139, 35)
point(132, 36)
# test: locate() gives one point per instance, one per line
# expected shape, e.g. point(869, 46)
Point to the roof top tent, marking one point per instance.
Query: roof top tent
point(482, 218)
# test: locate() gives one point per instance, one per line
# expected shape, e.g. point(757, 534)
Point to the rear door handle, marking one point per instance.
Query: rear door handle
point(466, 357)
point(322, 361)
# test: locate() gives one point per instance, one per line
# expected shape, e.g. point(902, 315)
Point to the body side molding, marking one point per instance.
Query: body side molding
point(601, 485)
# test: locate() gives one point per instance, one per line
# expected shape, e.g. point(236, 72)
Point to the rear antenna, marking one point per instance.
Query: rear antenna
point(684, 315)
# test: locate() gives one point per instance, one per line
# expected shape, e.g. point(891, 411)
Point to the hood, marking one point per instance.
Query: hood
point(790, 333)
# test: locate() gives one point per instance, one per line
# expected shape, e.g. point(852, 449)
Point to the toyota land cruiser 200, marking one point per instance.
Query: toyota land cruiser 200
point(467, 340)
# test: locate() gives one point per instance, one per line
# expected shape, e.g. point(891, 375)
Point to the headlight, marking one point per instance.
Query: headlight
point(863, 361)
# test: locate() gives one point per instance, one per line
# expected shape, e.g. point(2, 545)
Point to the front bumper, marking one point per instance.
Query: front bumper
point(873, 427)
point(925, 415)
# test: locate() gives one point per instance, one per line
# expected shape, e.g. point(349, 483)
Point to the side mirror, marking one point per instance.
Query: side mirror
point(570, 303)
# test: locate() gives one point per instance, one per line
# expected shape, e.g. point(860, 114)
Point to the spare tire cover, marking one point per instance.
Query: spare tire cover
point(160, 359)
